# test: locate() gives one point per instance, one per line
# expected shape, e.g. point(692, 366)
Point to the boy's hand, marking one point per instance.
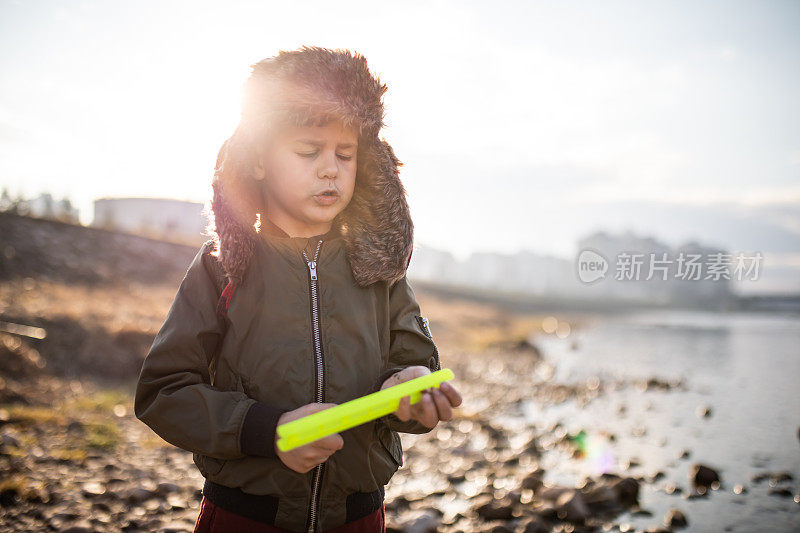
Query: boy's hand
point(305, 457)
point(435, 404)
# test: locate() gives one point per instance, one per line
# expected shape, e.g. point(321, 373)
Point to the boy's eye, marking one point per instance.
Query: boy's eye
point(343, 157)
point(313, 154)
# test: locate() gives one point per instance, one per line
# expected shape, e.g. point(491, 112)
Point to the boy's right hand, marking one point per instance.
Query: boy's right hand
point(305, 457)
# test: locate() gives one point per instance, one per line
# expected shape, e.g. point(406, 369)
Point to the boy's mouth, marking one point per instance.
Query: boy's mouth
point(326, 197)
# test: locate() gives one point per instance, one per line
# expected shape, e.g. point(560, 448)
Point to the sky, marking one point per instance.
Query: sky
point(521, 125)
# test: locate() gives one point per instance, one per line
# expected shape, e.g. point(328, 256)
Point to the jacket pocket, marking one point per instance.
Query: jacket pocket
point(243, 384)
point(211, 466)
point(208, 466)
point(390, 441)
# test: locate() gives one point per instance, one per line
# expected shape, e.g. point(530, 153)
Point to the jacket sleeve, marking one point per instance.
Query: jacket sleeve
point(411, 344)
point(174, 396)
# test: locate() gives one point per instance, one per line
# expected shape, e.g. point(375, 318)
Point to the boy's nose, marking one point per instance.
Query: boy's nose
point(328, 167)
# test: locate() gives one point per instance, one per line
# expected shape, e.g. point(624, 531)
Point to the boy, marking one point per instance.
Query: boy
point(313, 234)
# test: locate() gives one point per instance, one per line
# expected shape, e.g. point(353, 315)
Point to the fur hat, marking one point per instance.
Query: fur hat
point(305, 87)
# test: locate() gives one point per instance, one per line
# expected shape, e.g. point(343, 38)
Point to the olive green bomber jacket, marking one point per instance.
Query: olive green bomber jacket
point(225, 413)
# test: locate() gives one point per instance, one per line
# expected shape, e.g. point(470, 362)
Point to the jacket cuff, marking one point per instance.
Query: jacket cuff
point(386, 374)
point(409, 426)
point(258, 430)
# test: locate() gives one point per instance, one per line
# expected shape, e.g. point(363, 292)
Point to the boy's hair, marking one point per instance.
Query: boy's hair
point(309, 86)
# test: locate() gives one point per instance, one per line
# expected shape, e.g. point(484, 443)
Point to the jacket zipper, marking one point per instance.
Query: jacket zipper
point(319, 397)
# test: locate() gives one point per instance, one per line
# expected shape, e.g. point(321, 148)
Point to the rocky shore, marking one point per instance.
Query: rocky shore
point(84, 463)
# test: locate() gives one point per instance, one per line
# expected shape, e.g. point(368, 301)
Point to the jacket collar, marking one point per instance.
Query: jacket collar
point(271, 231)
point(270, 228)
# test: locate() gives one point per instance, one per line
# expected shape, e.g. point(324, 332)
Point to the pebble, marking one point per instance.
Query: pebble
point(676, 519)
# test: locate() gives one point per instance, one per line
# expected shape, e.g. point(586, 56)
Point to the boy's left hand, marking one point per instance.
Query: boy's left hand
point(435, 404)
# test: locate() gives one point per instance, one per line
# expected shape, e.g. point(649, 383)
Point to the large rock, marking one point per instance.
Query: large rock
point(533, 481)
point(534, 525)
point(422, 522)
point(600, 496)
point(703, 476)
point(489, 508)
point(571, 507)
point(627, 490)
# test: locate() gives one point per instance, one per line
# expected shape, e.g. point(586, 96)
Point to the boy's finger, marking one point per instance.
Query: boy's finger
point(452, 394)
point(403, 411)
point(316, 459)
point(330, 443)
point(317, 407)
point(442, 405)
point(424, 411)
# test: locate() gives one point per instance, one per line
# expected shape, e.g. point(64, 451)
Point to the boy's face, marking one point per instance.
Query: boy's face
point(308, 173)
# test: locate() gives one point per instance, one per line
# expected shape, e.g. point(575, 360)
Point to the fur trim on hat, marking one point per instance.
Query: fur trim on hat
point(304, 87)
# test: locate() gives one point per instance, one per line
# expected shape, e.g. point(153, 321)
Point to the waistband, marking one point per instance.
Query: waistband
point(263, 508)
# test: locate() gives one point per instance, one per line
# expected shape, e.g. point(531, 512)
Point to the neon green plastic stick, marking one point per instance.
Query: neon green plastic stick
point(355, 412)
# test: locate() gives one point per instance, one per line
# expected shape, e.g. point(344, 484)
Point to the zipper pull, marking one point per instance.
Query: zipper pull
point(312, 267)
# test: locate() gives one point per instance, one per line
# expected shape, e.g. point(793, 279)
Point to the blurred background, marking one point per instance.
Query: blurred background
point(565, 163)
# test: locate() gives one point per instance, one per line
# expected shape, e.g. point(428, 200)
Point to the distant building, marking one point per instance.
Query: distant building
point(430, 264)
point(523, 272)
point(689, 273)
point(45, 206)
point(686, 274)
point(153, 217)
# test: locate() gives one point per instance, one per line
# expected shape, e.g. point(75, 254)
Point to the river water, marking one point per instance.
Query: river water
point(744, 368)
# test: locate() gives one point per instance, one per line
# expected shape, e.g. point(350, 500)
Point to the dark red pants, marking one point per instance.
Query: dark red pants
point(215, 519)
